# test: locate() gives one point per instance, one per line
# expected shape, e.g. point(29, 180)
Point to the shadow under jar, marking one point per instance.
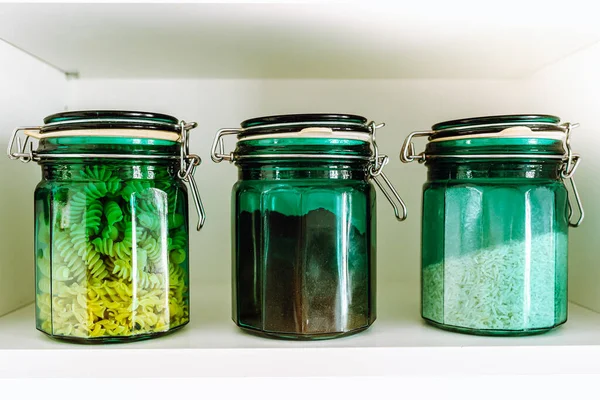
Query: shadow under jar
point(111, 224)
point(495, 223)
point(304, 224)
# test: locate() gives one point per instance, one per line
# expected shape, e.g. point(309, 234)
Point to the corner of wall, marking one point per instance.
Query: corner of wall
point(570, 89)
point(30, 91)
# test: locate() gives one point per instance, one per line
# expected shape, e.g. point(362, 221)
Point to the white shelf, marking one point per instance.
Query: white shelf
point(399, 343)
point(364, 40)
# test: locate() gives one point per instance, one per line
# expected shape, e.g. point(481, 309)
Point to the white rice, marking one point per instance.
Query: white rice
point(518, 285)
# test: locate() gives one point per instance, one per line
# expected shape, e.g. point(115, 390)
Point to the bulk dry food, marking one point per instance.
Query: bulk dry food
point(112, 253)
point(512, 286)
point(299, 273)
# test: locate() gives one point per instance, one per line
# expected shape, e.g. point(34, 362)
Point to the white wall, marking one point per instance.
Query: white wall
point(404, 105)
point(571, 89)
point(29, 90)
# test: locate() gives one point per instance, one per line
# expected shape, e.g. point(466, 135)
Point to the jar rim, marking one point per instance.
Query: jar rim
point(496, 148)
point(275, 149)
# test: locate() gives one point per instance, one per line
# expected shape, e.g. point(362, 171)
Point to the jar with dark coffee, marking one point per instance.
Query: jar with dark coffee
point(304, 224)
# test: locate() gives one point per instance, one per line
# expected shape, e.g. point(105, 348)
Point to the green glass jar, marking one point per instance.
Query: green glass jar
point(111, 223)
point(304, 224)
point(495, 223)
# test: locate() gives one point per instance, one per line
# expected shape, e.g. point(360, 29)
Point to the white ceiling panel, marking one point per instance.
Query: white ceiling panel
point(312, 40)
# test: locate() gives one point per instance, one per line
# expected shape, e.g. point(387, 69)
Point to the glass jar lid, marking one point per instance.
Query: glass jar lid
point(301, 136)
point(109, 118)
point(307, 126)
point(501, 136)
point(110, 123)
point(496, 124)
point(72, 133)
point(297, 122)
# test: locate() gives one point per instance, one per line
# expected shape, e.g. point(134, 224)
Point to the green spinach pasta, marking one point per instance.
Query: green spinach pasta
point(112, 253)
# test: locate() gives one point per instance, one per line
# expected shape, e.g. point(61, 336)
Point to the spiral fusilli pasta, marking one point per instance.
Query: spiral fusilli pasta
point(112, 212)
point(79, 201)
point(93, 217)
point(113, 262)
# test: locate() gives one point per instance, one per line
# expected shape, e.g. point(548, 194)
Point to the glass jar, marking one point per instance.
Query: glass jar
point(304, 219)
point(111, 223)
point(495, 223)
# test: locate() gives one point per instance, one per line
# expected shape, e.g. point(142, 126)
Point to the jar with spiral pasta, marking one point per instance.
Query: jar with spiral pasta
point(111, 223)
point(496, 215)
point(304, 224)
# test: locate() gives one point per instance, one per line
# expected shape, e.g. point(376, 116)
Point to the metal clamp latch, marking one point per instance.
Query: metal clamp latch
point(380, 179)
point(407, 153)
point(570, 165)
point(23, 153)
point(218, 155)
point(187, 168)
point(376, 173)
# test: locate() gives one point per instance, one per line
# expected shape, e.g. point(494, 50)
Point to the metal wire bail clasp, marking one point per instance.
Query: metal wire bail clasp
point(407, 153)
point(24, 150)
point(187, 168)
point(568, 170)
point(218, 155)
point(376, 172)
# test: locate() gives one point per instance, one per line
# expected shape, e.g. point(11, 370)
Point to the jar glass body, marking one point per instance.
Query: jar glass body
point(303, 244)
point(111, 242)
point(494, 245)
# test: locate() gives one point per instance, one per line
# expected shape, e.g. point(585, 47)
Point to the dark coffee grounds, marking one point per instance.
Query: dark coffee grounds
point(304, 274)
